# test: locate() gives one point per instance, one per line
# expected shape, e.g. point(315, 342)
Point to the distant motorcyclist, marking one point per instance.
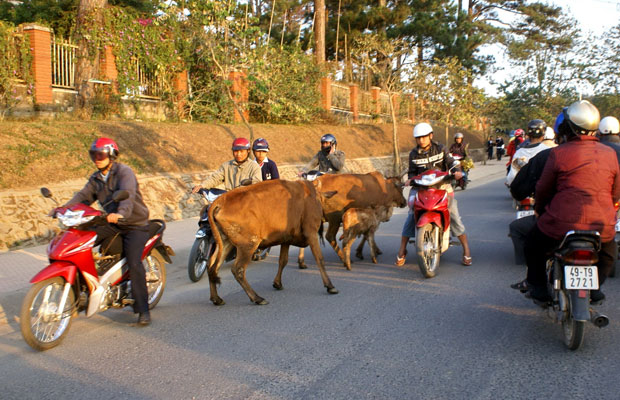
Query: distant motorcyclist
point(329, 159)
point(515, 142)
point(536, 130)
point(459, 147)
point(609, 130)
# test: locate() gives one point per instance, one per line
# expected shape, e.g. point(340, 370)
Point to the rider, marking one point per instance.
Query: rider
point(111, 177)
point(459, 147)
point(432, 155)
point(515, 142)
point(329, 159)
point(536, 130)
point(232, 172)
point(609, 128)
point(269, 169)
point(576, 191)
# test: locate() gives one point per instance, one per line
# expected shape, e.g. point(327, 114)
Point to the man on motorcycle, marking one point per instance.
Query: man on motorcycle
point(536, 130)
point(609, 130)
point(432, 155)
point(269, 169)
point(458, 147)
point(329, 159)
point(233, 172)
point(576, 191)
point(133, 228)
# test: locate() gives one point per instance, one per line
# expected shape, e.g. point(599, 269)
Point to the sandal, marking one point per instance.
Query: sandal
point(400, 261)
point(521, 286)
point(466, 261)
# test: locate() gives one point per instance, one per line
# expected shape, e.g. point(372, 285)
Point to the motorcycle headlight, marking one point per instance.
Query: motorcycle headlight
point(73, 218)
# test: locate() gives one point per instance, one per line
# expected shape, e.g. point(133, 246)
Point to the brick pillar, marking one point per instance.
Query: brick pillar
point(41, 51)
point(240, 94)
point(326, 93)
point(411, 111)
point(354, 101)
point(375, 93)
point(107, 63)
point(181, 89)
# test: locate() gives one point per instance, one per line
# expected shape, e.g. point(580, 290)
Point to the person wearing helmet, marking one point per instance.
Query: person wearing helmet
point(231, 173)
point(517, 140)
point(458, 147)
point(609, 128)
point(536, 130)
point(269, 169)
point(576, 191)
point(329, 159)
point(127, 218)
point(432, 155)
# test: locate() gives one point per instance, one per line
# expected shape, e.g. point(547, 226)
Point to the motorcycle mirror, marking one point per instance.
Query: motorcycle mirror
point(246, 182)
point(46, 192)
point(120, 195)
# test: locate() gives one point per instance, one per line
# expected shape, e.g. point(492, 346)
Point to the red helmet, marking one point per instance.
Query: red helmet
point(241, 144)
point(519, 132)
point(104, 145)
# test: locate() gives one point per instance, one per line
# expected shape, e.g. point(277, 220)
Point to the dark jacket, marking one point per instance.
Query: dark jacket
point(120, 177)
point(269, 170)
point(459, 149)
point(525, 181)
point(331, 163)
point(578, 189)
point(610, 139)
point(435, 158)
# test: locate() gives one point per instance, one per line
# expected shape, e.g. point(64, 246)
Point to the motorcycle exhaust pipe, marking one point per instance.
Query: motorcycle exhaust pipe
point(599, 320)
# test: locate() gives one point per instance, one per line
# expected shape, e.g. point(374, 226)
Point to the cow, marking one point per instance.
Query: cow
point(269, 213)
point(355, 191)
point(362, 221)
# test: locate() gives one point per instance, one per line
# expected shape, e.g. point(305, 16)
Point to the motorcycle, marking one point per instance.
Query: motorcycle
point(525, 207)
point(573, 274)
point(430, 206)
point(79, 278)
point(465, 164)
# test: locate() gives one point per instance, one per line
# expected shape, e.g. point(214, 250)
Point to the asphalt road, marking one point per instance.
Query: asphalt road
point(388, 334)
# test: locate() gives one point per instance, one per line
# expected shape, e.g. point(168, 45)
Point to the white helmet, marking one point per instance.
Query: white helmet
point(422, 129)
point(549, 134)
point(609, 126)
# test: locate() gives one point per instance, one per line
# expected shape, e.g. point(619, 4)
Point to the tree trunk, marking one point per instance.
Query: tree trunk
point(447, 131)
point(397, 162)
point(89, 17)
point(319, 31)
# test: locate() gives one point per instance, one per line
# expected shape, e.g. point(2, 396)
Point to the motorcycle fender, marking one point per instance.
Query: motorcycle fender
point(56, 268)
point(166, 252)
point(429, 217)
point(580, 305)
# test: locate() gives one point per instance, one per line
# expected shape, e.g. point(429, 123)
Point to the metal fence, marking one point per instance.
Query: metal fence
point(150, 83)
point(63, 64)
point(366, 105)
point(341, 97)
point(384, 104)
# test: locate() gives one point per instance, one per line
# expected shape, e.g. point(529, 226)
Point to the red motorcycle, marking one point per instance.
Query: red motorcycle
point(79, 278)
point(430, 207)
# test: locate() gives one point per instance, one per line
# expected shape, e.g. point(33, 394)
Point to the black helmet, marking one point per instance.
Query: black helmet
point(536, 128)
point(328, 138)
point(260, 144)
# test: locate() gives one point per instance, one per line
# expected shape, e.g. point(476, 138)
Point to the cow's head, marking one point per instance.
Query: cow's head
point(394, 188)
point(322, 195)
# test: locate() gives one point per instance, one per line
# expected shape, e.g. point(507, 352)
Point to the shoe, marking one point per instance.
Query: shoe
point(596, 297)
point(466, 261)
point(521, 286)
point(144, 319)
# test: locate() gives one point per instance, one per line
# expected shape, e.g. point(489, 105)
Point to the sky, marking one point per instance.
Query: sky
point(594, 18)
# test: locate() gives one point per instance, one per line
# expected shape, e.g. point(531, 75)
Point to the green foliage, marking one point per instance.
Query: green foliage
point(15, 62)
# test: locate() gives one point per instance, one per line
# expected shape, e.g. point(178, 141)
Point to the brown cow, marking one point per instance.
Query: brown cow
point(270, 213)
point(355, 191)
point(362, 221)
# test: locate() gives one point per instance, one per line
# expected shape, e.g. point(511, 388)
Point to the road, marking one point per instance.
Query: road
point(388, 334)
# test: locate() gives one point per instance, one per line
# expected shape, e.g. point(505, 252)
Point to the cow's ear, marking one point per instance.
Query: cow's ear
point(329, 194)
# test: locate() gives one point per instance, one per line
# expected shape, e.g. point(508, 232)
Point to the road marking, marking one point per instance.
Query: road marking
point(33, 255)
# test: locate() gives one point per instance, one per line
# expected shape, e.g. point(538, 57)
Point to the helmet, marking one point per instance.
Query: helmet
point(241, 144)
point(536, 128)
point(422, 129)
point(519, 132)
point(458, 135)
point(558, 121)
point(549, 134)
point(104, 145)
point(609, 126)
point(260, 144)
point(328, 138)
point(583, 117)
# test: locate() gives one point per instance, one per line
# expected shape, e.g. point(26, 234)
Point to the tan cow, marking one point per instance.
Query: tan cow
point(362, 221)
point(355, 191)
point(270, 213)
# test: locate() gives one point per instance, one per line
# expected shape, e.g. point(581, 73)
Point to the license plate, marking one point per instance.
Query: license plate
point(524, 213)
point(585, 278)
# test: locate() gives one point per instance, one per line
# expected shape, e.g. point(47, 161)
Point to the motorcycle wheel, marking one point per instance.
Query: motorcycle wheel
point(428, 250)
point(198, 262)
point(155, 269)
point(573, 330)
point(41, 326)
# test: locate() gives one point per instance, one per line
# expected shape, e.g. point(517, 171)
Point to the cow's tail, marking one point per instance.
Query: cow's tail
point(321, 234)
point(216, 258)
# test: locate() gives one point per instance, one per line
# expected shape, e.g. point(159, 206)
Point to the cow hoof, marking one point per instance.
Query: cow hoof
point(277, 286)
point(374, 260)
point(359, 255)
point(348, 267)
point(379, 252)
point(332, 291)
point(302, 265)
point(262, 302)
point(218, 302)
